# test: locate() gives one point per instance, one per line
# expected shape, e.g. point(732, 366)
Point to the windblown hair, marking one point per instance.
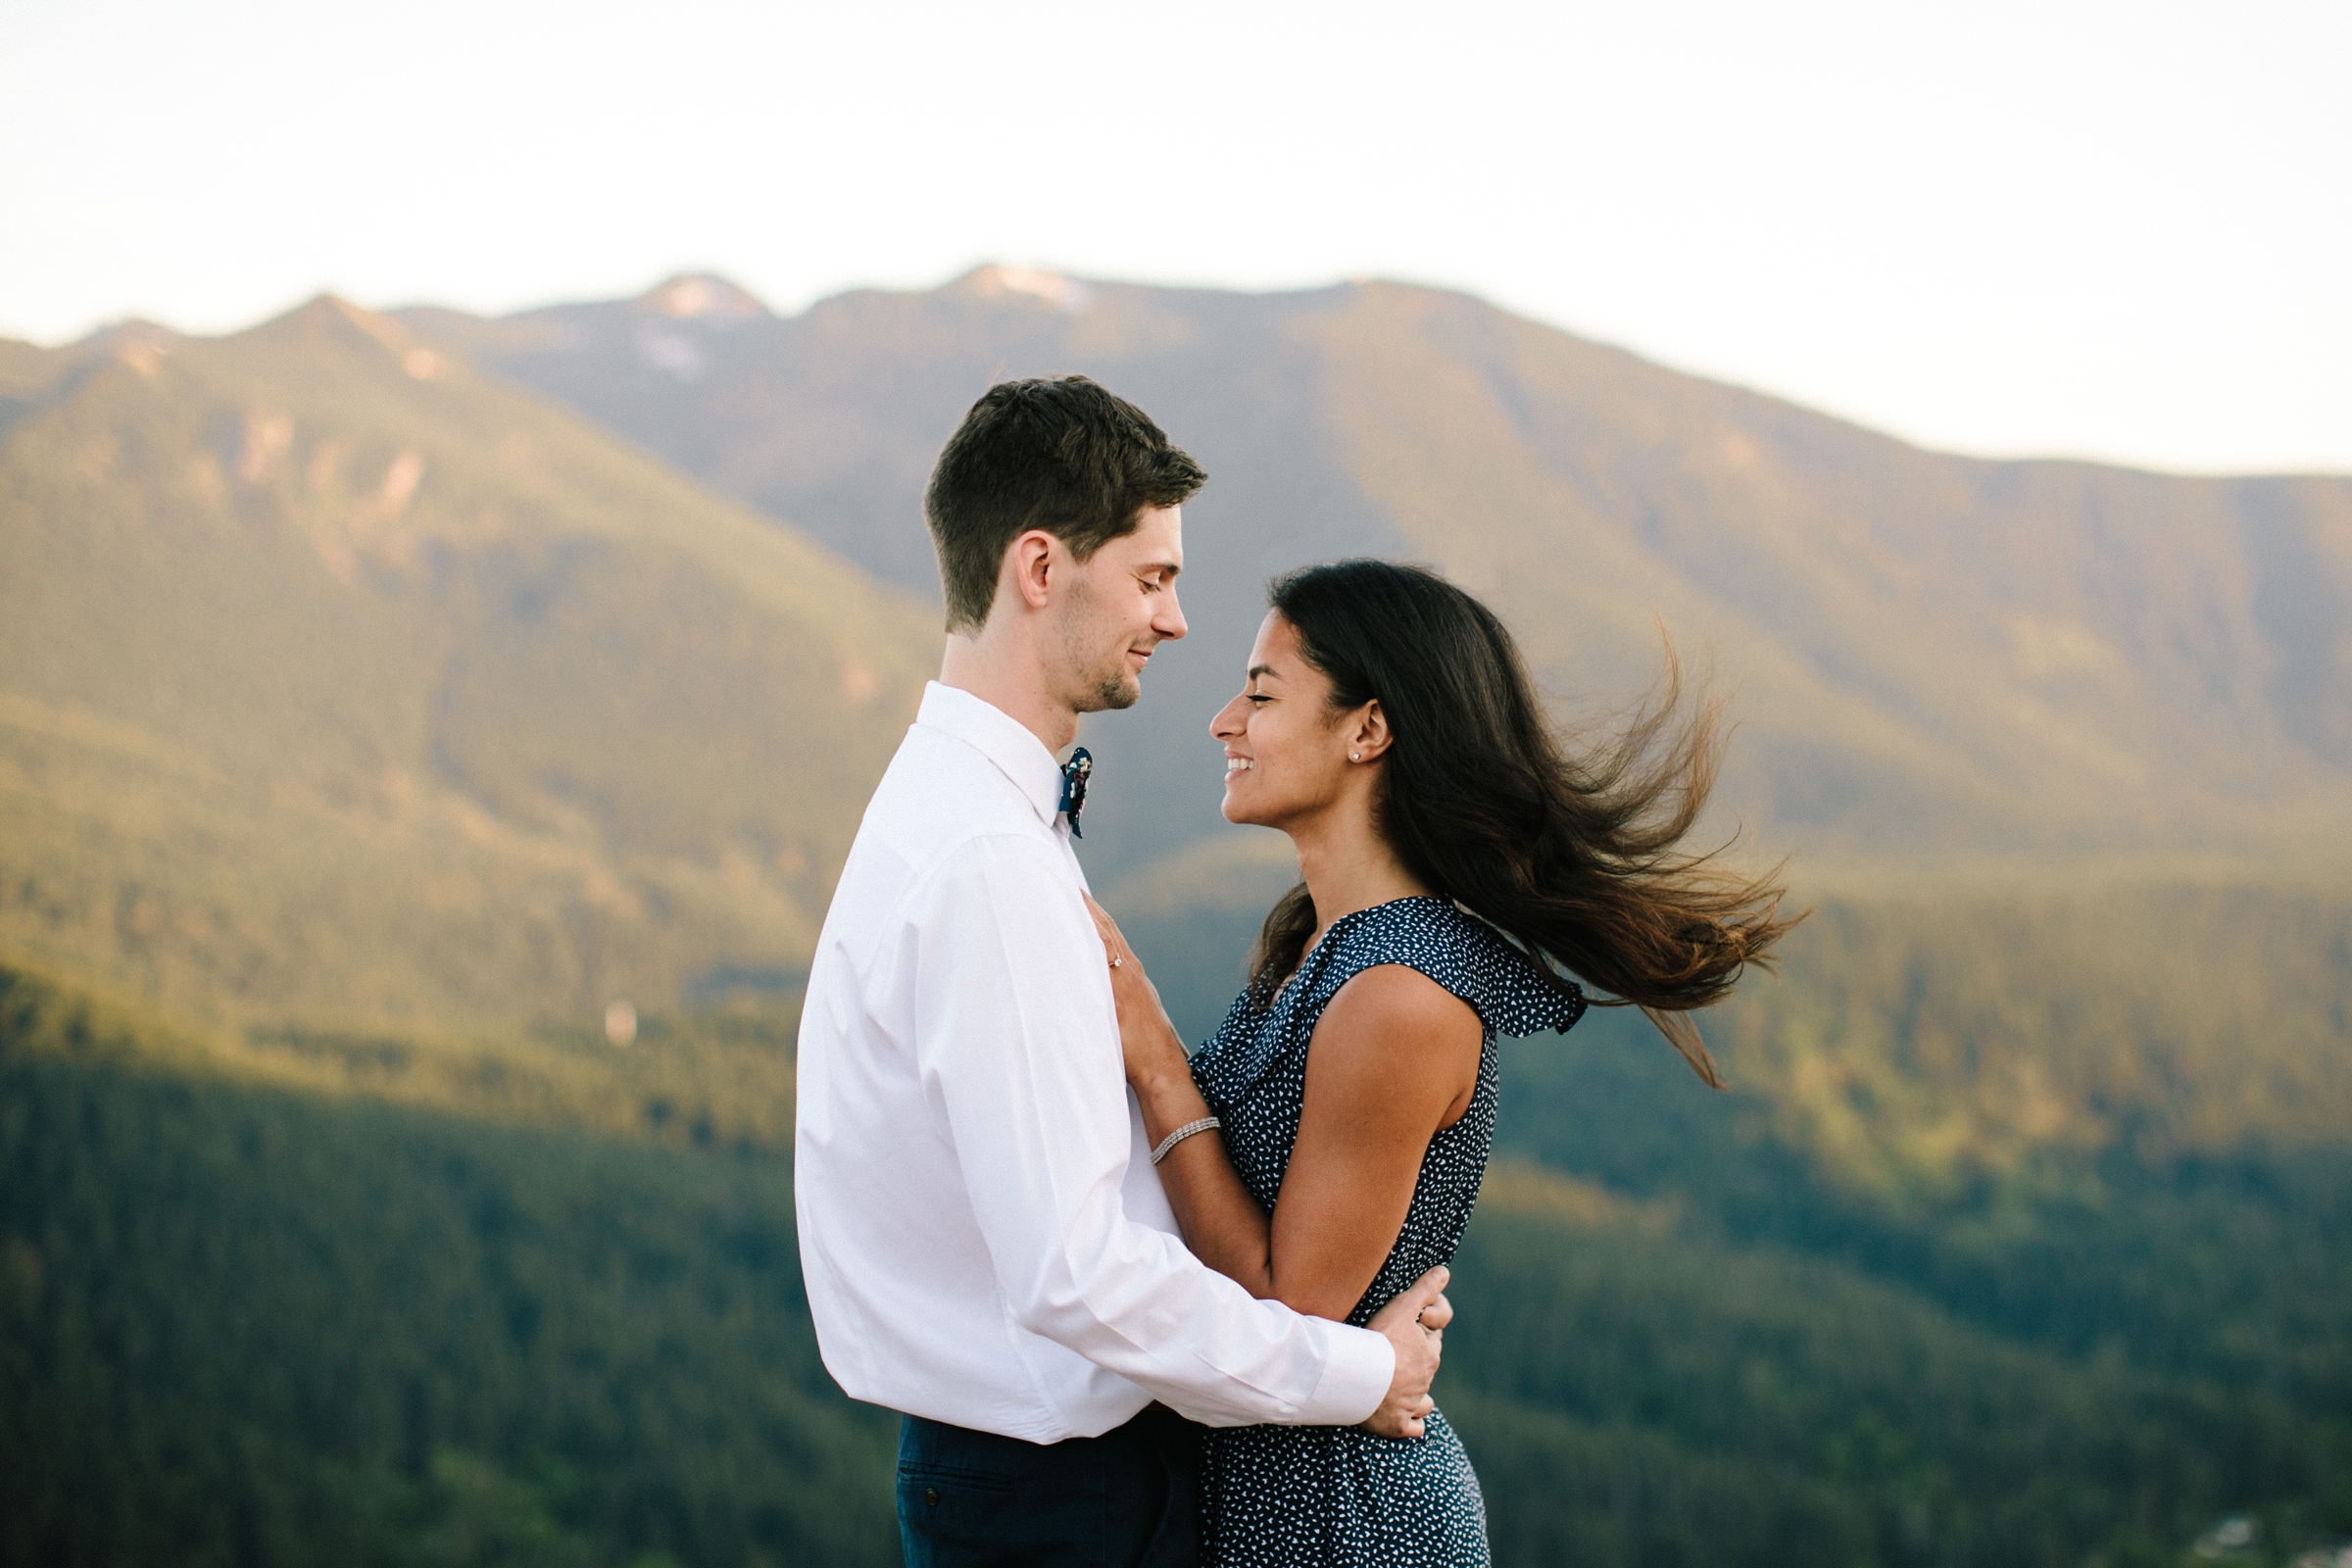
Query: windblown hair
point(1573, 852)
point(1059, 453)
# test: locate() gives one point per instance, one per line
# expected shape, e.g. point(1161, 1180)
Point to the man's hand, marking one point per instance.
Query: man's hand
point(1414, 1324)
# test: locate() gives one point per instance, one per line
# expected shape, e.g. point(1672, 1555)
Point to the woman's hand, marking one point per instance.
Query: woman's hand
point(1147, 1038)
point(1221, 1222)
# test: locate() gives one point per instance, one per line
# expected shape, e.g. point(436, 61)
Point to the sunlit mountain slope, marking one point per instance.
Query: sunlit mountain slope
point(339, 682)
point(2063, 745)
point(354, 696)
point(1930, 653)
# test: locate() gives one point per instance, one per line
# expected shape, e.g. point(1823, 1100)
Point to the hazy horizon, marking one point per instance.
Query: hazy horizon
point(2095, 231)
point(1045, 276)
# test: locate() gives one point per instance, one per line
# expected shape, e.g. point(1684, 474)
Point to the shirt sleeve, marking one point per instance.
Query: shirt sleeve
point(1017, 1036)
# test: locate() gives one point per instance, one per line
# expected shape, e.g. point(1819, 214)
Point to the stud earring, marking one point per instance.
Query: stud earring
point(1355, 757)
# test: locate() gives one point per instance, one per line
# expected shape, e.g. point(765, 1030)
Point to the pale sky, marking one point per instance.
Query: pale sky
point(2111, 231)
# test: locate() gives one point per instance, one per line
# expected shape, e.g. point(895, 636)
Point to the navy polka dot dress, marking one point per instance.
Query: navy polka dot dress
point(1339, 1496)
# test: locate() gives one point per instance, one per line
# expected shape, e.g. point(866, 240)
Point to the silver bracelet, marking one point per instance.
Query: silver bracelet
point(1181, 1134)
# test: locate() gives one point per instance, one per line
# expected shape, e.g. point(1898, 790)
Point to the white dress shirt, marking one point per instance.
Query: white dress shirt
point(984, 1239)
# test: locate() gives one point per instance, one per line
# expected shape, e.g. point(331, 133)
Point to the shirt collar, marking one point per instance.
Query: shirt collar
point(1000, 738)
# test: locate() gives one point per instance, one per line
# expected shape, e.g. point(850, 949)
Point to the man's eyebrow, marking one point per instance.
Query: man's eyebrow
point(1171, 567)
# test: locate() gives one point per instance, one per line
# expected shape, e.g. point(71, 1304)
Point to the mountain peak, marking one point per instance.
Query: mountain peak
point(133, 341)
point(702, 297)
point(330, 316)
point(332, 319)
point(130, 330)
point(996, 281)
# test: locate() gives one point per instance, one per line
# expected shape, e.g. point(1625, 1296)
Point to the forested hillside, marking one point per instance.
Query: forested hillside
point(239, 1325)
point(343, 687)
point(1922, 1036)
point(249, 1325)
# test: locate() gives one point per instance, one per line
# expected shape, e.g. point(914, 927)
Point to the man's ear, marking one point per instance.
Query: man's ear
point(1031, 562)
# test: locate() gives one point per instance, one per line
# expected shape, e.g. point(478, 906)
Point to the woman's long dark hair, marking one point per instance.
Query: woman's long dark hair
point(1577, 857)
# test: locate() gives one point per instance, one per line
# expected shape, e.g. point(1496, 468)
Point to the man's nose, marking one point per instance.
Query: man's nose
point(1169, 622)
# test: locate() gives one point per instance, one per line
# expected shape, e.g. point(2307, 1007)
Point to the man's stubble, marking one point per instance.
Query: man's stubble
point(1108, 685)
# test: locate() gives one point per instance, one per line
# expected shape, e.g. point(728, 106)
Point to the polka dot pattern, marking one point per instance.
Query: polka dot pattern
point(1339, 1495)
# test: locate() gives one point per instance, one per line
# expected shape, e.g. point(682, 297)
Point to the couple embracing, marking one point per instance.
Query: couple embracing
point(1145, 1309)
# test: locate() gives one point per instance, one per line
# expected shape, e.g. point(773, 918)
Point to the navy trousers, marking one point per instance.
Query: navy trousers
point(1129, 1498)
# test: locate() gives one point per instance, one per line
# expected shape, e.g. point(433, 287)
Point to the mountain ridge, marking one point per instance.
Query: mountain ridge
point(547, 685)
point(370, 720)
point(326, 658)
point(1962, 656)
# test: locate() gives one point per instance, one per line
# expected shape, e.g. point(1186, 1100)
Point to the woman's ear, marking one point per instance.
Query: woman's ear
point(1368, 735)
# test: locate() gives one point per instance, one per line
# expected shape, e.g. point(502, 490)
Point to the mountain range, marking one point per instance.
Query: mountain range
point(421, 667)
point(427, 674)
point(386, 697)
point(339, 679)
point(1927, 654)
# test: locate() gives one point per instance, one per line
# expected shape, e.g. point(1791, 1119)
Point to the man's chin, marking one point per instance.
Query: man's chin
point(1121, 691)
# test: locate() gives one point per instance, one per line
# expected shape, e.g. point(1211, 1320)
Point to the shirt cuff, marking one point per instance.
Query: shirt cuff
point(1357, 1368)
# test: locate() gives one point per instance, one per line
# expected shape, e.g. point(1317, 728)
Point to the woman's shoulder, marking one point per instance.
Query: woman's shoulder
point(1465, 957)
point(1403, 993)
point(1423, 932)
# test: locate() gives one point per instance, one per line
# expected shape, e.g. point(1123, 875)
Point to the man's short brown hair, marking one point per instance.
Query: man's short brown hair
point(1059, 453)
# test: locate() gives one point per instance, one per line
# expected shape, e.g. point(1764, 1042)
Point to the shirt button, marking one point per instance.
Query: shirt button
point(930, 1496)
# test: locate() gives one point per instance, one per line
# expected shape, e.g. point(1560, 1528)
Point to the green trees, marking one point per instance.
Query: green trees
point(239, 1325)
point(244, 1323)
point(1627, 1401)
point(1711, 1344)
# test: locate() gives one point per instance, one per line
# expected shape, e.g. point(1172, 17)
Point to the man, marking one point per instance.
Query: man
point(985, 1245)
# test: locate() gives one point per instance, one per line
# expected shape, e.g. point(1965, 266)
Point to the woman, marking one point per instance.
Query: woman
point(1452, 854)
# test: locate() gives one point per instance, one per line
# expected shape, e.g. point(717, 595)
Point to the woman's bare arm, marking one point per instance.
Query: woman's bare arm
point(1393, 1059)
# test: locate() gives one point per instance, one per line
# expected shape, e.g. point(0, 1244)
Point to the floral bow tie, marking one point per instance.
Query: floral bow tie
point(1073, 786)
